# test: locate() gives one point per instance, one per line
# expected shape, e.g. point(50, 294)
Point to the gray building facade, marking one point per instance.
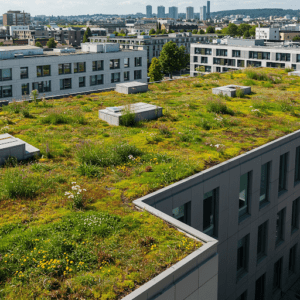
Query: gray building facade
point(250, 204)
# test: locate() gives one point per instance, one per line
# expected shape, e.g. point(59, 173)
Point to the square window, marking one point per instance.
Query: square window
point(5, 74)
point(182, 213)
point(66, 84)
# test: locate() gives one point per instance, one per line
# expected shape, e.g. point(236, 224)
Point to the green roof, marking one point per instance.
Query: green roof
point(95, 244)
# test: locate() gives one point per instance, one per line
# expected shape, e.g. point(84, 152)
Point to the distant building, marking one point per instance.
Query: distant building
point(173, 12)
point(149, 11)
point(63, 71)
point(288, 35)
point(161, 11)
point(190, 13)
point(269, 33)
point(16, 17)
point(203, 13)
point(208, 10)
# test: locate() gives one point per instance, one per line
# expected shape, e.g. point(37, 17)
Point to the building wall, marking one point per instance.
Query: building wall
point(55, 60)
point(225, 178)
point(194, 277)
point(288, 36)
point(196, 60)
point(267, 33)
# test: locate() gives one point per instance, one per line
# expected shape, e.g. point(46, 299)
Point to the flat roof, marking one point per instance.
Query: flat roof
point(16, 48)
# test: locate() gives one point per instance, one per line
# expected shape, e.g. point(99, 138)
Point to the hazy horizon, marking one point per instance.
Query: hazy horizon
point(121, 7)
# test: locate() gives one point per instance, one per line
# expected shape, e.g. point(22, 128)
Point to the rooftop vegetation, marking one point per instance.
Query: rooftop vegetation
point(67, 223)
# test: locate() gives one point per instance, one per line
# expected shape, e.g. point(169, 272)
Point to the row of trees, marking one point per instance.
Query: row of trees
point(244, 30)
point(172, 58)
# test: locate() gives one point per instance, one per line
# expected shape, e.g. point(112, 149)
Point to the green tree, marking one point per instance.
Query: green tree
point(296, 38)
point(232, 29)
point(51, 43)
point(201, 31)
point(195, 31)
point(143, 33)
point(152, 31)
point(181, 30)
point(38, 44)
point(86, 35)
point(242, 28)
point(164, 31)
point(155, 70)
point(246, 34)
point(158, 31)
point(210, 29)
point(122, 32)
point(172, 58)
point(252, 30)
point(116, 33)
point(171, 31)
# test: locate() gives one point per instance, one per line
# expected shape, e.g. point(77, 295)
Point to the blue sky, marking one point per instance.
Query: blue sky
point(75, 7)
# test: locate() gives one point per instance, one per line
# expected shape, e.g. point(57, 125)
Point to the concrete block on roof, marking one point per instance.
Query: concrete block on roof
point(132, 87)
point(230, 90)
point(11, 146)
point(294, 73)
point(142, 111)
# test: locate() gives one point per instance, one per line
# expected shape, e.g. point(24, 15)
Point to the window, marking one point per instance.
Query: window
point(126, 62)
point(5, 74)
point(298, 57)
point(207, 68)
point(221, 52)
point(5, 91)
point(292, 259)
point(259, 55)
point(242, 296)
point(137, 74)
point(66, 84)
point(264, 184)
point(64, 69)
point(25, 89)
point(283, 56)
point(42, 87)
point(244, 194)
point(277, 274)
point(297, 165)
point(96, 80)
point(79, 67)
point(251, 63)
point(42, 71)
point(236, 53)
point(275, 65)
point(280, 227)
point(260, 288)
point(242, 256)
point(241, 63)
point(203, 51)
point(282, 185)
point(182, 213)
point(195, 59)
point(24, 72)
point(98, 65)
point(204, 60)
point(114, 64)
point(262, 241)
point(137, 61)
point(81, 81)
point(295, 215)
point(209, 213)
point(126, 76)
point(115, 77)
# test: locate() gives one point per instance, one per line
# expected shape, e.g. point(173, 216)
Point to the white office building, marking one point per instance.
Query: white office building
point(66, 71)
point(173, 12)
point(234, 54)
point(269, 33)
point(161, 11)
point(190, 13)
point(149, 11)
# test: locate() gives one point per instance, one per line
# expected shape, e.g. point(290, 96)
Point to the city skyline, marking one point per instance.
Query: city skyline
point(121, 7)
